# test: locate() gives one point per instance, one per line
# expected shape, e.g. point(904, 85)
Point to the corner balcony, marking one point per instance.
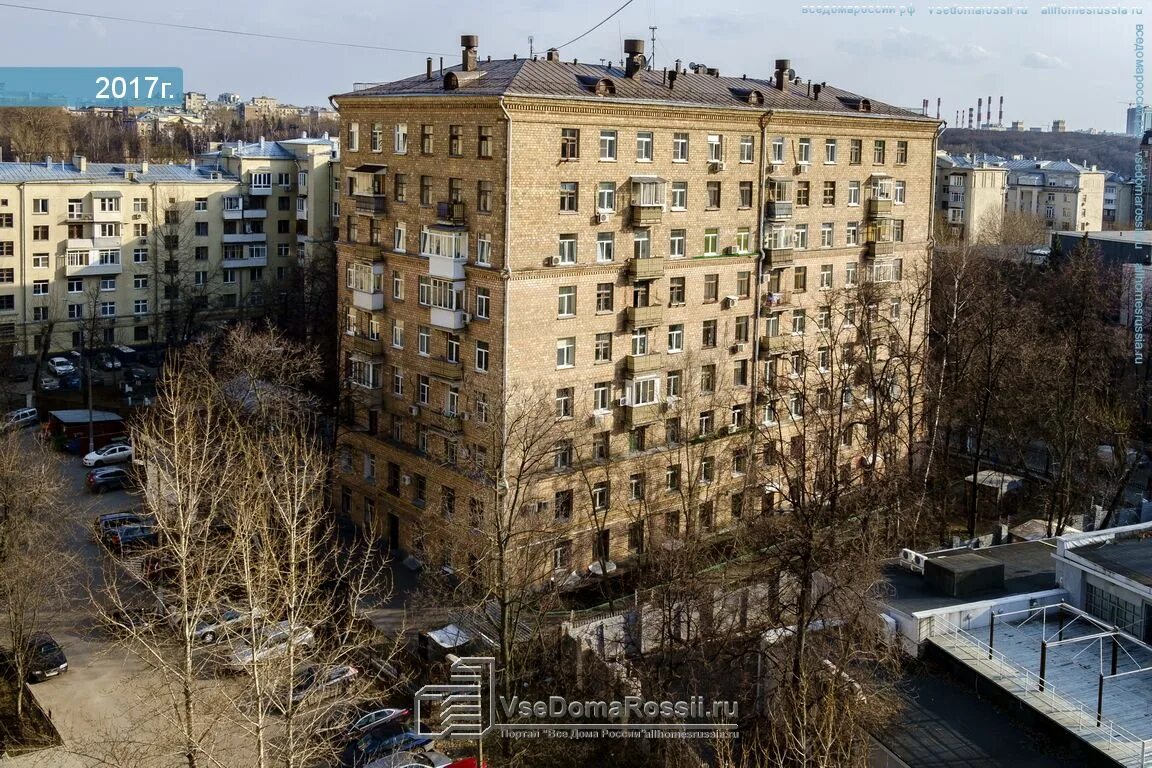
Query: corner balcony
point(644, 317)
point(646, 269)
point(776, 210)
point(90, 266)
point(446, 267)
point(449, 319)
point(371, 204)
point(877, 248)
point(451, 213)
point(779, 343)
point(245, 262)
point(370, 301)
point(779, 257)
point(878, 208)
point(443, 369)
point(639, 415)
point(645, 215)
point(649, 363)
point(364, 345)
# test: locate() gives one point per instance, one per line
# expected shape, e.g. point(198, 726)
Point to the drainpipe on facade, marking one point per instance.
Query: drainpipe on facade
point(754, 429)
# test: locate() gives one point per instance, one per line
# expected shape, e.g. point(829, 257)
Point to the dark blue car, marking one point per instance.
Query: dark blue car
point(379, 742)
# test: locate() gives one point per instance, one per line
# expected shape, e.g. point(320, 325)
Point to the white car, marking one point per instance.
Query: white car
point(60, 366)
point(109, 454)
point(217, 622)
point(271, 642)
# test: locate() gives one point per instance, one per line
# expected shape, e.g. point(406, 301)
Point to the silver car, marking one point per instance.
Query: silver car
point(271, 642)
point(19, 418)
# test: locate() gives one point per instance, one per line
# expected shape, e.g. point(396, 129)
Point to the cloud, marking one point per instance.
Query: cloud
point(903, 43)
point(1037, 60)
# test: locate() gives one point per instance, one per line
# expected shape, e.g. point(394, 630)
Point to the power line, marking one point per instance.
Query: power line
point(217, 30)
point(602, 22)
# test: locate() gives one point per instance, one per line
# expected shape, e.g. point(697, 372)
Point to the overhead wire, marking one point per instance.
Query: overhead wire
point(601, 23)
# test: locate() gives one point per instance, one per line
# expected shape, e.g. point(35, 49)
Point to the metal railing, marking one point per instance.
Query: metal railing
point(1099, 731)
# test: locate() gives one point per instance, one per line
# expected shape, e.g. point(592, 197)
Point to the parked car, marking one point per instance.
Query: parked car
point(372, 718)
point(133, 621)
point(107, 361)
point(89, 372)
point(271, 642)
point(45, 658)
point(49, 383)
point(71, 381)
point(136, 376)
point(61, 366)
point(344, 720)
point(131, 537)
point(379, 661)
point(19, 418)
point(126, 355)
point(427, 759)
point(115, 453)
point(110, 479)
point(314, 682)
point(381, 741)
point(215, 623)
point(110, 521)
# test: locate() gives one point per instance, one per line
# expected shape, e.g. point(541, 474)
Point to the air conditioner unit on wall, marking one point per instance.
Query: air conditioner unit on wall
point(716, 166)
point(602, 218)
point(413, 410)
point(622, 401)
point(405, 480)
point(554, 261)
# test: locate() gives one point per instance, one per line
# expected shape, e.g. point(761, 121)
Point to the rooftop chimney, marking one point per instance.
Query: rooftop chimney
point(634, 57)
point(469, 43)
point(192, 164)
point(80, 162)
point(783, 72)
point(679, 66)
point(47, 161)
point(429, 68)
point(713, 71)
point(553, 54)
point(672, 77)
point(816, 90)
point(143, 167)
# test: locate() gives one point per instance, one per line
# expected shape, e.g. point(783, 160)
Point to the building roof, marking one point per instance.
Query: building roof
point(258, 149)
point(1131, 558)
point(1051, 166)
point(557, 79)
point(16, 173)
point(1143, 236)
point(80, 416)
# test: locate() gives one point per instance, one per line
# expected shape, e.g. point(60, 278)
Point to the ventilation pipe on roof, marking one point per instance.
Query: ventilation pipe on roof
point(783, 71)
point(713, 71)
point(469, 43)
point(553, 54)
point(816, 88)
point(429, 68)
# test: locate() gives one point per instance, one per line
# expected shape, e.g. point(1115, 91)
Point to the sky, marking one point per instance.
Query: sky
point(1075, 67)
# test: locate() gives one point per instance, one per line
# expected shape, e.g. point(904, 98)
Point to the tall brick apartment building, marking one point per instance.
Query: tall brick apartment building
point(635, 248)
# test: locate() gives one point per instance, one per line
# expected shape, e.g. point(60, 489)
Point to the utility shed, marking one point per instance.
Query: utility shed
point(963, 574)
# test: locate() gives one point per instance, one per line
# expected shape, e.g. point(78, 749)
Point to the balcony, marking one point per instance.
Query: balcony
point(237, 214)
point(449, 319)
point(107, 216)
point(370, 301)
point(88, 265)
point(451, 212)
point(779, 343)
point(77, 217)
point(639, 415)
point(776, 210)
point(644, 317)
point(644, 215)
point(956, 200)
point(246, 237)
point(259, 190)
point(450, 424)
point(634, 364)
point(245, 262)
point(779, 257)
point(79, 244)
point(373, 204)
point(646, 269)
point(878, 207)
point(878, 248)
point(107, 242)
point(771, 302)
point(443, 369)
point(368, 252)
point(446, 267)
point(365, 345)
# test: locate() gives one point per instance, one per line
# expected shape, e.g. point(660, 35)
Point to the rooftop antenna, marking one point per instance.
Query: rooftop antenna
point(652, 53)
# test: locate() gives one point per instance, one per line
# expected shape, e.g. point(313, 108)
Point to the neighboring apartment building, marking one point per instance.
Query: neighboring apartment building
point(1066, 195)
point(144, 253)
point(969, 195)
point(591, 237)
point(1138, 120)
point(1118, 202)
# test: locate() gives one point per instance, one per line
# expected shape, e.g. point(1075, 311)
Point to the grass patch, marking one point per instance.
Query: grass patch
point(33, 731)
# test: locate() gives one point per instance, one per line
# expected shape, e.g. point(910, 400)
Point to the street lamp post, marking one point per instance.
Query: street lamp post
point(87, 374)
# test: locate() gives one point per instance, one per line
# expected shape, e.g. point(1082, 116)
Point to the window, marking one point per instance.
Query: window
point(636, 487)
point(484, 141)
point(894, 309)
point(107, 309)
point(740, 373)
point(853, 193)
point(640, 341)
point(605, 247)
point(747, 148)
point(804, 151)
point(200, 279)
point(800, 236)
point(829, 151)
point(799, 322)
point(825, 276)
point(424, 340)
point(40, 261)
point(715, 148)
point(711, 241)
point(607, 145)
point(796, 406)
point(708, 334)
point(852, 233)
point(745, 194)
point(201, 251)
point(39, 287)
point(741, 332)
point(672, 478)
point(606, 197)
point(40, 204)
point(850, 317)
point(484, 196)
point(829, 197)
point(482, 356)
point(823, 358)
point(562, 556)
point(672, 384)
point(484, 250)
point(569, 143)
point(680, 147)
point(600, 496)
point(713, 194)
point(566, 301)
point(827, 231)
point(6, 220)
point(778, 150)
point(566, 249)
point(40, 232)
point(878, 147)
point(564, 403)
point(898, 230)
point(855, 151)
point(744, 284)
point(800, 278)
point(600, 396)
point(641, 244)
point(569, 193)
point(679, 195)
point(400, 141)
point(75, 285)
point(676, 244)
point(637, 439)
point(566, 352)
point(676, 291)
point(644, 146)
point(676, 338)
point(400, 237)
point(140, 307)
point(140, 230)
point(707, 470)
point(711, 287)
point(600, 445)
point(898, 193)
point(202, 228)
point(455, 140)
point(803, 193)
point(228, 276)
point(398, 334)
point(397, 285)
point(645, 392)
point(425, 190)
point(901, 152)
point(604, 292)
point(107, 284)
point(483, 299)
point(75, 311)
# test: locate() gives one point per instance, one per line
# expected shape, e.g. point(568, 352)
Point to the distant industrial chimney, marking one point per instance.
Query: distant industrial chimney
point(937, 107)
point(989, 120)
point(969, 118)
point(1000, 121)
point(634, 61)
point(783, 73)
point(469, 43)
point(979, 111)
